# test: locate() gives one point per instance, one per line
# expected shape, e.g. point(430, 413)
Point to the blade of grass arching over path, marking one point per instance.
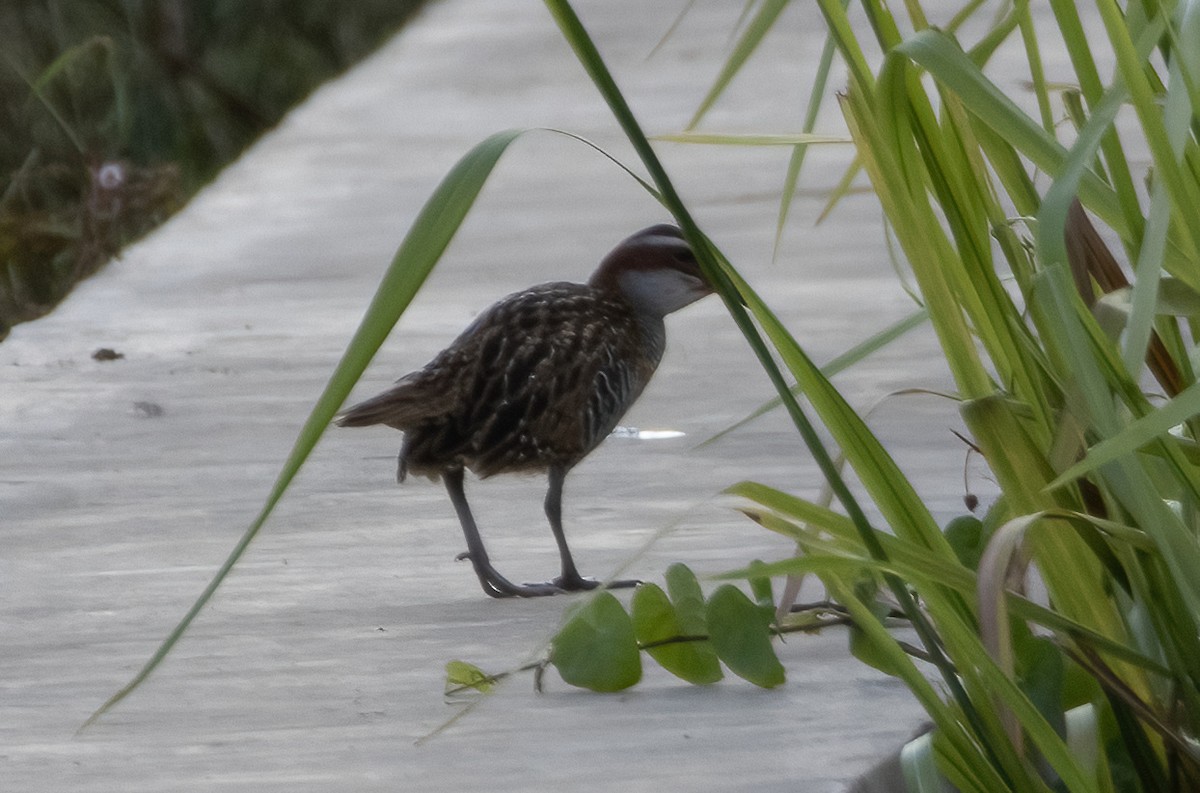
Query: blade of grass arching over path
point(424, 244)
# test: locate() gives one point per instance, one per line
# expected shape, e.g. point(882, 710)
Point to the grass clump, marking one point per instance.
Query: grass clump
point(116, 112)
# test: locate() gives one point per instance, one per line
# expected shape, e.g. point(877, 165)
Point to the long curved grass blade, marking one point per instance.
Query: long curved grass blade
point(421, 249)
point(649, 188)
point(995, 567)
point(842, 362)
point(69, 58)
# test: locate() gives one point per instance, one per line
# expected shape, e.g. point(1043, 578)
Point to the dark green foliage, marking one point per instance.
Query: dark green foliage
point(115, 112)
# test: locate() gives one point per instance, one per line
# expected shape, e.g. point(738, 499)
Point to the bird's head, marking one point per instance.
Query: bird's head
point(655, 270)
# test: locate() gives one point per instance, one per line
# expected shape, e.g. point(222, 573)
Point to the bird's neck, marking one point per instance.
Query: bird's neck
point(654, 336)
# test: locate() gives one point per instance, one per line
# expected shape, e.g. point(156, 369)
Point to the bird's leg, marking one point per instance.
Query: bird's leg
point(570, 580)
point(493, 583)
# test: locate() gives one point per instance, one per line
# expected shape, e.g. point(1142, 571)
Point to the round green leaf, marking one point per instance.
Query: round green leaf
point(597, 648)
point(966, 537)
point(687, 597)
point(655, 620)
point(741, 635)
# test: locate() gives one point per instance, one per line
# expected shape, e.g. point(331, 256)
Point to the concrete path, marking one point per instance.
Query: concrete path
point(124, 484)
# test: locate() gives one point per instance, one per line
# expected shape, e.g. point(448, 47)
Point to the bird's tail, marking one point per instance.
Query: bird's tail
point(401, 407)
point(364, 414)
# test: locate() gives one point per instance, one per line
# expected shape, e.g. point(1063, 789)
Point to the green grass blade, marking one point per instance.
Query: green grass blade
point(1078, 46)
point(742, 50)
point(829, 538)
point(842, 362)
point(941, 56)
point(1178, 117)
point(1135, 435)
point(796, 162)
point(424, 244)
point(69, 59)
point(1131, 48)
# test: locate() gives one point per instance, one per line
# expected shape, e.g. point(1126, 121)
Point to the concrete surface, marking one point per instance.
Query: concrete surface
point(124, 484)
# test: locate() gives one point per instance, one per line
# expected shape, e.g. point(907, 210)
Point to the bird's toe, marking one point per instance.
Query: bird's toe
point(578, 583)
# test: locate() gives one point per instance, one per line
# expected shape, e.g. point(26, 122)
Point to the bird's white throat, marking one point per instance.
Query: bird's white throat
point(661, 291)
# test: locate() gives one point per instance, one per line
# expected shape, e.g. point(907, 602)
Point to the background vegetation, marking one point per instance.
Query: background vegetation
point(116, 111)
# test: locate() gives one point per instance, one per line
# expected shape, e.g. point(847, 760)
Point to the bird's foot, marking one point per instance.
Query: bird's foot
point(500, 587)
point(497, 586)
point(579, 583)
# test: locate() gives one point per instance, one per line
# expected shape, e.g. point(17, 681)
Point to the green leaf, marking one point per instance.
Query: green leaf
point(597, 648)
point(654, 621)
point(687, 597)
point(1041, 672)
point(817, 92)
point(760, 585)
point(460, 674)
point(862, 645)
point(965, 534)
point(741, 635)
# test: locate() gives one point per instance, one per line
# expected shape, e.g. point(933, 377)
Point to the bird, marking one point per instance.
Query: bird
point(536, 382)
